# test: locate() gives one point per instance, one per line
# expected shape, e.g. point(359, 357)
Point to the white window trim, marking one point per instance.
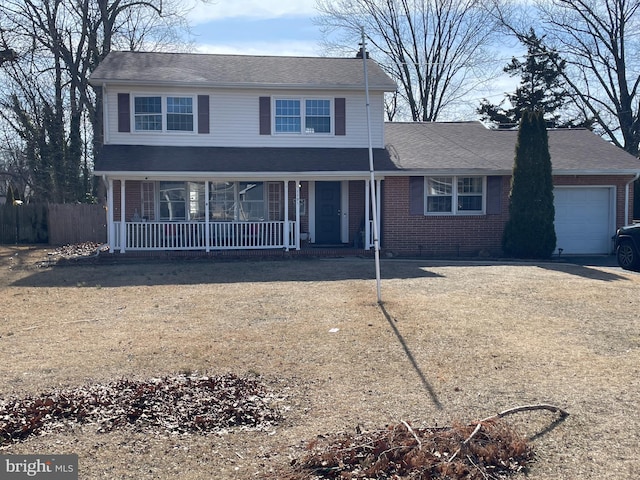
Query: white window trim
point(163, 113)
point(303, 106)
point(454, 197)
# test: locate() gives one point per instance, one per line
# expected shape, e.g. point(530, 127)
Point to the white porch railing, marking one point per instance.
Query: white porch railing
point(193, 235)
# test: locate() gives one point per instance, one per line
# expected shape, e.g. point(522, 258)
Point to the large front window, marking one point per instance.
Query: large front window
point(454, 195)
point(181, 201)
point(228, 201)
point(245, 201)
point(308, 116)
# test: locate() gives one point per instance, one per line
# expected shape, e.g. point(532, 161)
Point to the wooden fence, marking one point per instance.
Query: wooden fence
point(56, 224)
point(77, 223)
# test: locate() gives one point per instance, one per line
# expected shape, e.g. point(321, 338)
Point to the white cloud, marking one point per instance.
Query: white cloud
point(205, 11)
point(285, 48)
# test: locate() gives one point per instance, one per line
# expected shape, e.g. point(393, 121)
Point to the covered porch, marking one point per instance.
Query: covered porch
point(194, 214)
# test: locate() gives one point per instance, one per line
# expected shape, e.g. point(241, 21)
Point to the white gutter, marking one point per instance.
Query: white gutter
point(626, 198)
point(241, 85)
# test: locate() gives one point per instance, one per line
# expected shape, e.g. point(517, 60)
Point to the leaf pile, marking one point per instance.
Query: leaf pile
point(178, 404)
point(83, 249)
point(401, 452)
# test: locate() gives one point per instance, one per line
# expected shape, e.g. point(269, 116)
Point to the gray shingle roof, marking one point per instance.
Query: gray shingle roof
point(138, 159)
point(469, 147)
point(412, 148)
point(239, 70)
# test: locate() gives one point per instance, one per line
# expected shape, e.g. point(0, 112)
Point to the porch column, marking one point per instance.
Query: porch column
point(367, 230)
point(207, 233)
point(110, 225)
point(286, 232)
point(123, 225)
point(298, 223)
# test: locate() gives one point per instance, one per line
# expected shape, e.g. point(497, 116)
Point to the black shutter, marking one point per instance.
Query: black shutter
point(124, 114)
point(203, 113)
point(494, 195)
point(265, 115)
point(340, 116)
point(416, 195)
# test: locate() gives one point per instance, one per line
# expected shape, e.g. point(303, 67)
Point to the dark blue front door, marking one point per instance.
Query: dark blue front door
point(328, 213)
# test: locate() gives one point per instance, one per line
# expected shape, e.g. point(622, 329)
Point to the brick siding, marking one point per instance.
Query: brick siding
point(464, 236)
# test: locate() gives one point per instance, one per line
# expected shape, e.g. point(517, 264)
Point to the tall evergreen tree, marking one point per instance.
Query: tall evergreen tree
point(541, 88)
point(530, 232)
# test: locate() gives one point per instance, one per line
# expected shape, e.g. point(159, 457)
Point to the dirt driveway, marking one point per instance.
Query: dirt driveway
point(451, 342)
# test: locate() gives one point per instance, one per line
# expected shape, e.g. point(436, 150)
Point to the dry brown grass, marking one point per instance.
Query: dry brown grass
point(452, 342)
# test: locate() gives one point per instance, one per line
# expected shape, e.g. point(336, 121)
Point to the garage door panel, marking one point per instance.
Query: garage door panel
point(583, 220)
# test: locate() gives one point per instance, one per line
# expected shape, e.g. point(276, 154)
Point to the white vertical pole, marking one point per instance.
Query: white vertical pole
point(207, 214)
point(123, 224)
point(372, 182)
point(110, 217)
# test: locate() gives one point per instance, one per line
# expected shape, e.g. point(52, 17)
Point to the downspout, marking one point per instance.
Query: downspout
point(626, 198)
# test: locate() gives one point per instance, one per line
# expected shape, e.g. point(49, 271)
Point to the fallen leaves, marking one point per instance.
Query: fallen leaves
point(174, 404)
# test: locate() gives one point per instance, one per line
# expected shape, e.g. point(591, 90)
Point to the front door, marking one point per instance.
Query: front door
point(328, 213)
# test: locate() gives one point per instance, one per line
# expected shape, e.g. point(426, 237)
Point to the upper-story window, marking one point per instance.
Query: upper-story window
point(148, 113)
point(157, 113)
point(290, 113)
point(317, 117)
point(180, 114)
point(454, 195)
point(288, 116)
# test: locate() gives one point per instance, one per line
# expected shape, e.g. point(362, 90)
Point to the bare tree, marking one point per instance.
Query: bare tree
point(599, 40)
point(436, 50)
point(46, 96)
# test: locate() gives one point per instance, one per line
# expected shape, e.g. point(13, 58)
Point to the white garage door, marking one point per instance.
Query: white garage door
point(584, 219)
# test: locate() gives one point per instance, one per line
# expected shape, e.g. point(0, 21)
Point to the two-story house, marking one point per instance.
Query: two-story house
point(211, 152)
point(229, 152)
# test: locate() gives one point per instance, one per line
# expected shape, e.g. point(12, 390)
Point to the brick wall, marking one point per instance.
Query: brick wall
point(464, 236)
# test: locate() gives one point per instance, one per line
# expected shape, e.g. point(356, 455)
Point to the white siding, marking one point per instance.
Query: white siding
point(234, 120)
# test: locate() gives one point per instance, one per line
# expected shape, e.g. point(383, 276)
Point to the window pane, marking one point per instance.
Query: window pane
point(148, 105)
point(222, 201)
point(288, 116)
point(317, 116)
point(179, 105)
point(147, 113)
point(470, 185)
point(172, 201)
point(148, 122)
point(470, 203)
point(251, 200)
point(439, 204)
point(317, 125)
point(287, 125)
point(439, 186)
point(180, 114)
point(196, 201)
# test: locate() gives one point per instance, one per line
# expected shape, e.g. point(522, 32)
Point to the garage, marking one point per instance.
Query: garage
point(584, 219)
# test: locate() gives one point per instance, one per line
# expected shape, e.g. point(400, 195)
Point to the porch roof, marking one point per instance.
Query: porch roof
point(183, 161)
